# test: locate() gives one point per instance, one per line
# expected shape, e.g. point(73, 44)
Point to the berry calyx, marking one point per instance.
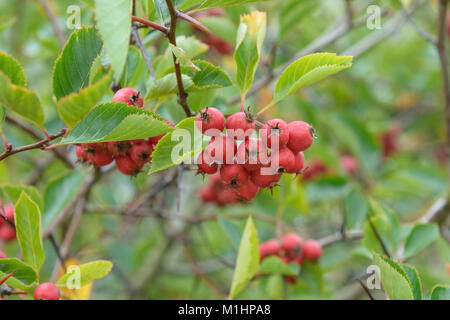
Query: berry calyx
point(127, 166)
point(233, 174)
point(312, 250)
point(47, 291)
point(142, 152)
point(130, 97)
point(240, 125)
point(274, 133)
point(301, 136)
point(118, 147)
point(210, 121)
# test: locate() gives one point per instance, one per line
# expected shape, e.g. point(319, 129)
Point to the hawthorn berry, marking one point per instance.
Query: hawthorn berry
point(127, 166)
point(268, 248)
point(274, 132)
point(141, 152)
point(221, 149)
point(299, 163)
point(283, 160)
point(207, 194)
point(349, 163)
point(252, 154)
point(264, 180)
point(7, 231)
point(315, 169)
point(312, 250)
point(301, 136)
point(291, 242)
point(247, 191)
point(240, 125)
point(130, 97)
point(226, 196)
point(100, 157)
point(47, 291)
point(81, 154)
point(205, 164)
point(118, 147)
point(233, 174)
point(210, 121)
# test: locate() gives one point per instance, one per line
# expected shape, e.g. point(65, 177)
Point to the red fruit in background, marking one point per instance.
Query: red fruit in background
point(301, 136)
point(312, 250)
point(291, 242)
point(226, 196)
point(299, 163)
point(100, 157)
point(3, 255)
point(389, 140)
point(47, 291)
point(248, 191)
point(314, 170)
point(209, 119)
point(283, 160)
point(7, 232)
point(268, 248)
point(264, 180)
point(291, 279)
point(130, 97)
point(349, 163)
point(8, 212)
point(233, 174)
point(240, 125)
point(207, 194)
point(252, 154)
point(127, 166)
point(221, 149)
point(141, 152)
point(81, 153)
point(275, 129)
point(205, 164)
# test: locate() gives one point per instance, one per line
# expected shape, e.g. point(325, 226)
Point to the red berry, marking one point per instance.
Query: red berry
point(210, 121)
point(275, 133)
point(127, 166)
point(205, 164)
point(252, 154)
point(291, 242)
point(100, 157)
point(283, 160)
point(313, 170)
point(207, 194)
point(233, 174)
point(301, 136)
point(226, 196)
point(248, 191)
point(291, 279)
point(81, 153)
point(299, 162)
point(264, 180)
point(349, 163)
point(312, 250)
point(46, 291)
point(221, 149)
point(7, 232)
point(240, 125)
point(8, 211)
point(142, 152)
point(130, 97)
point(118, 147)
point(268, 248)
point(3, 255)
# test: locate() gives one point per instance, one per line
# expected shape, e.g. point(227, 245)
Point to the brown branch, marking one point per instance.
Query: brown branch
point(151, 24)
point(182, 95)
point(378, 236)
point(52, 17)
point(192, 21)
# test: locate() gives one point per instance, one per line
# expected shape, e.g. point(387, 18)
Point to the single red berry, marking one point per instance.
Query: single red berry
point(312, 250)
point(81, 153)
point(233, 174)
point(7, 232)
point(47, 291)
point(141, 152)
point(226, 196)
point(205, 164)
point(252, 154)
point(221, 149)
point(268, 248)
point(240, 125)
point(291, 242)
point(275, 133)
point(3, 255)
point(100, 157)
point(301, 136)
point(207, 194)
point(210, 121)
point(8, 211)
point(248, 191)
point(127, 166)
point(349, 163)
point(299, 163)
point(315, 169)
point(130, 97)
point(264, 180)
point(282, 160)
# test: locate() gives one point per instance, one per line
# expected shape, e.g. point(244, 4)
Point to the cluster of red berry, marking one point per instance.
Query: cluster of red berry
point(257, 162)
point(291, 249)
point(129, 156)
point(7, 230)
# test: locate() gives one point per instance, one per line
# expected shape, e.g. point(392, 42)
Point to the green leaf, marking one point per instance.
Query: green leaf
point(383, 227)
point(22, 101)
point(250, 37)
point(206, 4)
point(2, 116)
point(247, 260)
point(71, 71)
point(394, 279)
point(135, 68)
point(166, 87)
point(73, 107)
point(176, 147)
point(232, 231)
point(308, 70)
point(27, 218)
point(13, 193)
point(275, 286)
point(275, 265)
point(355, 210)
point(416, 284)
point(58, 193)
point(209, 76)
point(115, 121)
point(114, 25)
point(440, 292)
point(25, 274)
point(12, 68)
point(88, 272)
point(421, 236)
point(184, 60)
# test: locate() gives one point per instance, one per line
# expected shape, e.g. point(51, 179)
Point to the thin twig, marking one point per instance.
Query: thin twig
point(52, 17)
point(378, 236)
point(141, 47)
point(151, 24)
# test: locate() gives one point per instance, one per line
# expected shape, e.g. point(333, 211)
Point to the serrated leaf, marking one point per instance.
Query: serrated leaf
point(420, 237)
point(27, 218)
point(115, 121)
point(12, 68)
point(308, 70)
point(177, 146)
point(58, 193)
point(440, 292)
point(88, 272)
point(13, 193)
point(416, 284)
point(22, 101)
point(166, 87)
point(114, 24)
point(71, 71)
point(250, 37)
point(209, 76)
point(355, 209)
point(73, 107)
point(394, 279)
point(25, 274)
point(184, 60)
point(247, 260)
point(275, 265)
